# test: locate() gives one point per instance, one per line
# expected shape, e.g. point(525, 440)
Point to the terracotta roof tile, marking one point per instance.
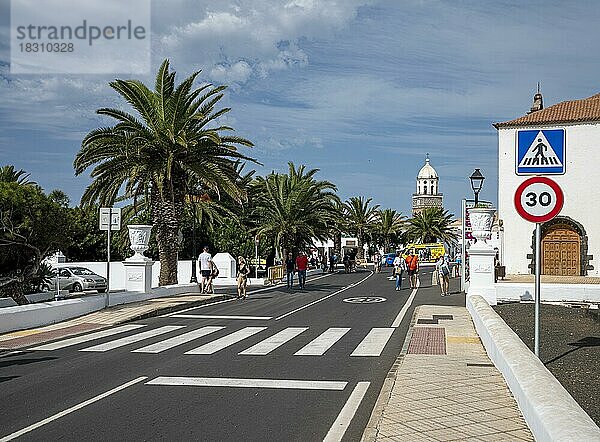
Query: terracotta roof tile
point(573, 111)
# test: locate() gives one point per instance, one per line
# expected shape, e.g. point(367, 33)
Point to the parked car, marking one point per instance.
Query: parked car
point(389, 259)
point(75, 279)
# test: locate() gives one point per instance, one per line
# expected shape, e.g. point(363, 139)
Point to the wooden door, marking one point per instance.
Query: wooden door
point(561, 252)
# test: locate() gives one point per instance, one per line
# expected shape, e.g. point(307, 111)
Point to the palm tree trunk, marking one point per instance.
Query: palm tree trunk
point(337, 243)
point(16, 291)
point(166, 219)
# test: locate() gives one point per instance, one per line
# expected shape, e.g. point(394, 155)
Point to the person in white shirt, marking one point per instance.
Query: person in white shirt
point(399, 268)
point(206, 266)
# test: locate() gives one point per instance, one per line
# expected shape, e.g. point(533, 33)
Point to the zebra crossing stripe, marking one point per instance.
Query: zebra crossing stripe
point(133, 338)
point(178, 340)
point(88, 337)
point(225, 341)
point(277, 340)
point(323, 342)
point(374, 343)
point(248, 383)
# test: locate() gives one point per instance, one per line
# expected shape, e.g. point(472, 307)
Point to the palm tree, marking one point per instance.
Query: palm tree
point(8, 174)
point(360, 218)
point(432, 224)
point(293, 209)
point(390, 224)
point(155, 157)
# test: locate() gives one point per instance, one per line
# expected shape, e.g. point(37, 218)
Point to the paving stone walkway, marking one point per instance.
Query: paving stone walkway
point(448, 392)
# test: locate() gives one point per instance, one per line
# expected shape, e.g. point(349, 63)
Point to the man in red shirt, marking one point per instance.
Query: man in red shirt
point(412, 262)
point(301, 266)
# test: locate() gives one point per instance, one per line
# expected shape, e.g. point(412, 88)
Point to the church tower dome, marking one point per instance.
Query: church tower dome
point(427, 192)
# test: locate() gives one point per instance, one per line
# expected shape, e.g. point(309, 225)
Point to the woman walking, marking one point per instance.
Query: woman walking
point(242, 277)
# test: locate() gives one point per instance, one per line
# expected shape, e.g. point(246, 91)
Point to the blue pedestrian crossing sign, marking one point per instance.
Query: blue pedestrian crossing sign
point(541, 152)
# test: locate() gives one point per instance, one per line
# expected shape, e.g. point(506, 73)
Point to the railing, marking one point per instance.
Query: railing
point(275, 273)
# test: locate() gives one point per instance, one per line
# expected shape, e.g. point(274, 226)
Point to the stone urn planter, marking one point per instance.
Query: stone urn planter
point(481, 222)
point(139, 237)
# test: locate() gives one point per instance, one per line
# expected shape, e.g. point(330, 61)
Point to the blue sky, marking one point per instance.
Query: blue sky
point(361, 90)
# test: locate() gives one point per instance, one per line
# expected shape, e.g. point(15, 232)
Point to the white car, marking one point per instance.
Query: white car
point(75, 279)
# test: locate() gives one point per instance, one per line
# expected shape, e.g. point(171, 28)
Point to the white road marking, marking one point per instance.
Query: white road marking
point(323, 342)
point(324, 298)
point(225, 341)
point(277, 340)
point(196, 307)
point(89, 337)
point(406, 306)
point(309, 279)
point(133, 338)
point(341, 424)
point(374, 343)
point(248, 383)
point(72, 409)
point(178, 340)
point(258, 318)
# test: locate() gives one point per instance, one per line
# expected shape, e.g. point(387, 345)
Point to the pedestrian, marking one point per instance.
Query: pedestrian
point(443, 270)
point(290, 264)
point(412, 262)
point(399, 268)
point(214, 272)
point(332, 260)
point(301, 266)
point(242, 277)
point(205, 260)
point(376, 262)
point(346, 262)
point(458, 259)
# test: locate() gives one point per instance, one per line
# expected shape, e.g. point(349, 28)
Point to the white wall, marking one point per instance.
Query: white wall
point(579, 184)
point(117, 272)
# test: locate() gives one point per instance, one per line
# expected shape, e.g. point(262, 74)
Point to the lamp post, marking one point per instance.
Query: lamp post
point(256, 241)
point(193, 199)
point(476, 184)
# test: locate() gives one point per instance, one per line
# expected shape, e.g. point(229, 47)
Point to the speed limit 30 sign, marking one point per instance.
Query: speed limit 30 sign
point(538, 199)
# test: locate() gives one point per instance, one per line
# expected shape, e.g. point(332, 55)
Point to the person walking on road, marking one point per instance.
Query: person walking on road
point(399, 268)
point(301, 266)
point(242, 277)
point(412, 262)
point(205, 260)
point(290, 265)
point(377, 262)
point(443, 269)
point(332, 262)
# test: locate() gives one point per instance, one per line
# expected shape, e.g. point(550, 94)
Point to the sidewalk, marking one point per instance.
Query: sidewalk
point(104, 318)
point(443, 387)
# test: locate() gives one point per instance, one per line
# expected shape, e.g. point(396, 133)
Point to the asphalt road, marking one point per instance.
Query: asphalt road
point(281, 365)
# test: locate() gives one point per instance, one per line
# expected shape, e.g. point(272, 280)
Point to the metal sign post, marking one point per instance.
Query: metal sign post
point(538, 200)
point(110, 219)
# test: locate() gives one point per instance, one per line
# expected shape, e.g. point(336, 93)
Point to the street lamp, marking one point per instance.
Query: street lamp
point(193, 199)
point(256, 242)
point(476, 184)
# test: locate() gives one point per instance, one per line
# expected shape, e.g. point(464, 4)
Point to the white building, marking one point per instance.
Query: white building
point(563, 136)
point(427, 193)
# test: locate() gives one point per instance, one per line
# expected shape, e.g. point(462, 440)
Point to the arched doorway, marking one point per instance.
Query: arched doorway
point(561, 251)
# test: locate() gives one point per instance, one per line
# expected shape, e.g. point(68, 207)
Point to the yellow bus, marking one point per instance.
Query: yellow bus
point(428, 252)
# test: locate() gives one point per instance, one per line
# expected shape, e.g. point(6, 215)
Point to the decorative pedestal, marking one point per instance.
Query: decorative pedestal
point(481, 271)
point(138, 268)
point(481, 256)
point(138, 275)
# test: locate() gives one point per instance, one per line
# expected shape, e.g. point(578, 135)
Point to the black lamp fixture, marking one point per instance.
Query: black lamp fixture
point(476, 184)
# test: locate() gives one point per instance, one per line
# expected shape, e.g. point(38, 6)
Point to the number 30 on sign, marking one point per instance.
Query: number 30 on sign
point(538, 199)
